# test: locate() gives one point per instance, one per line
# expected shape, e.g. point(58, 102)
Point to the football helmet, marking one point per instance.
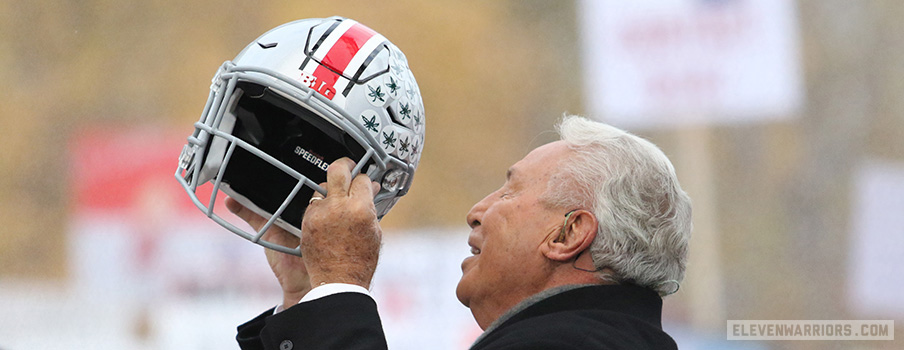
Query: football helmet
point(297, 98)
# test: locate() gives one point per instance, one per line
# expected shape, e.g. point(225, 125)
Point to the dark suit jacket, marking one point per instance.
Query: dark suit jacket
point(593, 317)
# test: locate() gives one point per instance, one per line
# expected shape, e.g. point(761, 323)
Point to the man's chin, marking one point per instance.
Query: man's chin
point(462, 294)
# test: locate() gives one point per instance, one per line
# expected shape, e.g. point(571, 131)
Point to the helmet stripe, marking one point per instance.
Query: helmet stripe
point(310, 50)
point(339, 54)
point(372, 43)
point(332, 38)
point(354, 79)
point(347, 46)
point(324, 36)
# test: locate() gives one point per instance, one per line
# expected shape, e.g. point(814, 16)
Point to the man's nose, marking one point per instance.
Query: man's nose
point(475, 215)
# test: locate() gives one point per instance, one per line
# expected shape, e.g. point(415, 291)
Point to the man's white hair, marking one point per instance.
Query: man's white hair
point(631, 187)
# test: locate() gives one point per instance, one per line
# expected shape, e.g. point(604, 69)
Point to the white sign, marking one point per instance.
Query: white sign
point(874, 280)
point(651, 63)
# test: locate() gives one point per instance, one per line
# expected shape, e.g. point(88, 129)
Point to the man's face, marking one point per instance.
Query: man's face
point(509, 227)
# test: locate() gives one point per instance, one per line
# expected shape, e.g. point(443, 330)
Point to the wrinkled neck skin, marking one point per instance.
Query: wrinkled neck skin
point(559, 277)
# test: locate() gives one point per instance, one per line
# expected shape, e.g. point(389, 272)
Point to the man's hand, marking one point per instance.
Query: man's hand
point(341, 237)
point(289, 269)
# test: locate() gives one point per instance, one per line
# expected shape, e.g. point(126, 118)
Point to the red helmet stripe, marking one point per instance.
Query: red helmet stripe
point(340, 54)
point(347, 46)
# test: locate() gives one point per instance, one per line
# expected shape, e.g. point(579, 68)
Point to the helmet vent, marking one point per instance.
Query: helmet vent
point(392, 114)
point(267, 46)
point(396, 118)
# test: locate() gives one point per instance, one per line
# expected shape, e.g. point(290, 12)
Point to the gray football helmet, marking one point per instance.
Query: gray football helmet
point(296, 99)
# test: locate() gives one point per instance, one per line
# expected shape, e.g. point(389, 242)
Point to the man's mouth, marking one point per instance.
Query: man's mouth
point(475, 251)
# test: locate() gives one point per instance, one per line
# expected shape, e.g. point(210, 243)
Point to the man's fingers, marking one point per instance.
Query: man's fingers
point(236, 208)
point(339, 177)
point(362, 186)
point(375, 186)
point(243, 213)
point(317, 196)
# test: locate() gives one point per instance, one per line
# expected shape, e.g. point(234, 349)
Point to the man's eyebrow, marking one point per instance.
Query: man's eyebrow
point(508, 173)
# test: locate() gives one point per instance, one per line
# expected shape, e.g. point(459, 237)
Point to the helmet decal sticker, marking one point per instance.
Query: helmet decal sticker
point(320, 86)
point(418, 122)
point(416, 146)
point(392, 85)
point(404, 111)
point(376, 94)
point(403, 146)
point(409, 88)
point(389, 141)
point(371, 123)
point(395, 67)
point(399, 55)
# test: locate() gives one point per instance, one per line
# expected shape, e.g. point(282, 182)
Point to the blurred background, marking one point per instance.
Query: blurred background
point(785, 121)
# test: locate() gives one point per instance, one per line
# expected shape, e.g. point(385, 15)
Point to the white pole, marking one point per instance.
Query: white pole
point(704, 282)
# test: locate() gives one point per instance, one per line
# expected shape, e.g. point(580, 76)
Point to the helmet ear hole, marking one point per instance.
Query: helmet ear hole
point(251, 129)
point(253, 90)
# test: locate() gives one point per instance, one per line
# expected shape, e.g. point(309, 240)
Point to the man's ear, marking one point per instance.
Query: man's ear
point(578, 232)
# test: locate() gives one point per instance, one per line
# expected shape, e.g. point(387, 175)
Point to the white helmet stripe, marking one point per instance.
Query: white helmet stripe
point(362, 55)
point(353, 67)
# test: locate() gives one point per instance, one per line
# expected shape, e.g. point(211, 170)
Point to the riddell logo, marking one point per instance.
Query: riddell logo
point(312, 158)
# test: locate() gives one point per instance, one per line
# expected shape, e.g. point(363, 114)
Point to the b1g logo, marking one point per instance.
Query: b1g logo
point(318, 85)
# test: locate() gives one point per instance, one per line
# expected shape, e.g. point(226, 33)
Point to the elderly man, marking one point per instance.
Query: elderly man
point(573, 252)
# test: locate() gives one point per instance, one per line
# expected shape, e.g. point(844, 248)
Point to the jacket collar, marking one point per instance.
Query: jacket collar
point(629, 299)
